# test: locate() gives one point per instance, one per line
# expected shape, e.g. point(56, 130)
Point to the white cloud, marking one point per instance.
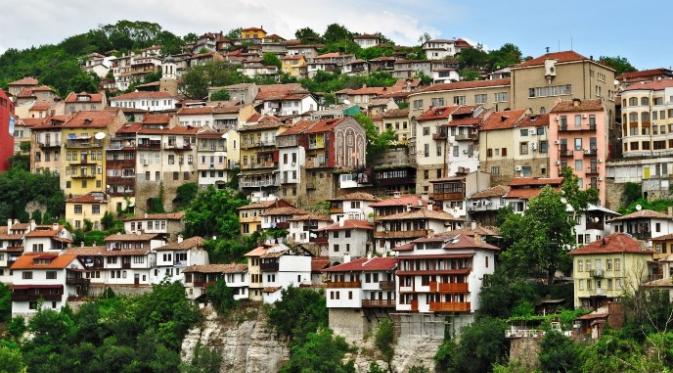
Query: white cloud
point(35, 22)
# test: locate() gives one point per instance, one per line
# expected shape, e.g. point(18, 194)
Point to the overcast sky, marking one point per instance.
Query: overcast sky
point(602, 29)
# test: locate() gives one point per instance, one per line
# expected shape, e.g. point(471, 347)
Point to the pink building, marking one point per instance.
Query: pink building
point(578, 139)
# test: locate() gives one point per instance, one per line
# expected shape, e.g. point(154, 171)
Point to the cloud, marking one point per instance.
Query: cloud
point(35, 22)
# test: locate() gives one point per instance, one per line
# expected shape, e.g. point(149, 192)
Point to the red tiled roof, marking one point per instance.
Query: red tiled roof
point(420, 213)
point(540, 120)
point(219, 109)
point(537, 181)
point(258, 251)
point(365, 264)
point(435, 113)
point(496, 191)
point(168, 216)
point(217, 268)
point(502, 120)
point(88, 198)
point(577, 105)
point(348, 224)
point(266, 205)
point(93, 97)
point(283, 211)
point(464, 85)
point(29, 80)
point(356, 196)
point(396, 113)
point(143, 95)
point(319, 263)
point(31, 122)
point(189, 243)
point(41, 106)
point(156, 118)
point(26, 261)
point(560, 57)
point(132, 237)
point(177, 130)
point(642, 214)
point(653, 86)
point(612, 244)
point(42, 233)
point(400, 201)
point(650, 73)
point(91, 119)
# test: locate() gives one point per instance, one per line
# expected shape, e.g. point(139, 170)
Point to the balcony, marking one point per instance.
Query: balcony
point(83, 161)
point(316, 145)
point(439, 136)
point(318, 240)
point(454, 287)
point(77, 281)
point(416, 233)
point(49, 144)
point(282, 225)
point(315, 163)
point(121, 163)
point(336, 210)
point(386, 285)
point(597, 273)
point(394, 181)
point(260, 165)
point(257, 183)
point(449, 307)
point(343, 284)
point(566, 153)
point(52, 293)
point(467, 137)
point(83, 175)
point(310, 185)
point(121, 180)
point(592, 171)
point(590, 152)
point(452, 196)
point(149, 146)
point(177, 147)
point(269, 267)
point(378, 303)
point(258, 144)
point(83, 143)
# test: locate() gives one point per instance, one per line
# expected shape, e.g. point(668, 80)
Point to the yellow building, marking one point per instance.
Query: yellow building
point(259, 152)
point(606, 269)
point(89, 207)
point(84, 138)
point(255, 273)
point(253, 33)
point(250, 216)
point(294, 66)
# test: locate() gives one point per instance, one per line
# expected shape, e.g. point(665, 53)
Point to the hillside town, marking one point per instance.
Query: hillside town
point(396, 201)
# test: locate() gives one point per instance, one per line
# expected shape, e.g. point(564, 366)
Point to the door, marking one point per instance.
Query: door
point(136, 279)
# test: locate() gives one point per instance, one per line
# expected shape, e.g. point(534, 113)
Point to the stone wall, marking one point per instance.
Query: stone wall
point(525, 351)
point(96, 290)
point(614, 194)
point(349, 323)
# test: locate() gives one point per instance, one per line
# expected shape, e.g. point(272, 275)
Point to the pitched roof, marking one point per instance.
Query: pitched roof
point(89, 198)
point(258, 251)
point(456, 240)
point(464, 85)
point(93, 97)
point(28, 80)
point(560, 57)
point(612, 244)
point(365, 264)
point(496, 191)
point(41, 106)
point(420, 213)
point(502, 120)
point(405, 200)
point(283, 211)
point(204, 110)
point(347, 225)
point(435, 113)
point(654, 85)
point(649, 73)
point(142, 95)
point(27, 261)
point(523, 193)
point(642, 214)
point(160, 216)
point(217, 268)
point(356, 196)
point(310, 216)
point(538, 181)
point(186, 244)
point(265, 204)
point(319, 263)
point(130, 237)
point(91, 119)
point(577, 105)
point(43, 233)
point(156, 118)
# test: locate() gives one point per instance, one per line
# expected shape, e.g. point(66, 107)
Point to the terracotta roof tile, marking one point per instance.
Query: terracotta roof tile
point(502, 120)
point(356, 196)
point(642, 214)
point(186, 244)
point(142, 95)
point(365, 264)
point(93, 97)
point(319, 263)
point(560, 57)
point(400, 201)
point(27, 261)
point(577, 105)
point(420, 213)
point(614, 243)
point(91, 119)
point(167, 215)
point(29, 80)
point(217, 268)
point(653, 86)
point(464, 85)
point(89, 198)
point(496, 191)
point(133, 237)
point(347, 225)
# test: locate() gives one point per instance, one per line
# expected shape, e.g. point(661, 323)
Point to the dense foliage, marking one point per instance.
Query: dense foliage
point(18, 187)
point(481, 345)
point(300, 312)
point(321, 353)
point(377, 142)
point(221, 296)
point(619, 63)
point(111, 334)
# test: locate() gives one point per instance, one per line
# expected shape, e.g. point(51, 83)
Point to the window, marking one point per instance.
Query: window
point(580, 266)
point(617, 265)
point(51, 275)
point(426, 150)
point(336, 248)
point(480, 99)
point(544, 146)
point(523, 132)
point(578, 143)
point(27, 275)
point(418, 104)
point(578, 120)
point(557, 90)
point(459, 100)
point(504, 152)
point(501, 97)
point(489, 153)
point(495, 170)
point(426, 131)
point(523, 148)
point(78, 209)
point(437, 102)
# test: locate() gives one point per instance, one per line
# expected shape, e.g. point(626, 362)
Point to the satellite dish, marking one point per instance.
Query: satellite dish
point(347, 102)
point(99, 135)
point(639, 207)
point(564, 200)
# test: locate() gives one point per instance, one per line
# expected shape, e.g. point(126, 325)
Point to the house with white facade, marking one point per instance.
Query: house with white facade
point(643, 224)
point(168, 225)
point(288, 103)
point(145, 100)
point(281, 268)
point(394, 230)
point(279, 217)
point(483, 206)
point(348, 239)
point(367, 40)
point(46, 281)
point(199, 277)
point(439, 49)
point(174, 257)
point(352, 206)
point(303, 227)
point(47, 238)
point(592, 224)
point(130, 259)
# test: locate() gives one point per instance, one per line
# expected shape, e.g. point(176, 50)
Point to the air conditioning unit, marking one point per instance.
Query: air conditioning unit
point(517, 168)
point(557, 142)
point(549, 68)
point(533, 146)
point(558, 163)
point(532, 132)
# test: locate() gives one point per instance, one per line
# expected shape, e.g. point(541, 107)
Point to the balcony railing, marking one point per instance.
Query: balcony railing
point(343, 284)
point(49, 144)
point(454, 287)
point(149, 146)
point(449, 307)
point(564, 152)
point(81, 144)
point(76, 281)
point(378, 303)
point(453, 196)
point(597, 272)
point(269, 267)
point(402, 234)
point(258, 144)
point(315, 163)
point(592, 171)
point(322, 240)
point(439, 136)
point(178, 147)
point(27, 295)
point(386, 285)
point(282, 225)
point(259, 165)
point(591, 152)
point(83, 176)
point(467, 137)
point(257, 183)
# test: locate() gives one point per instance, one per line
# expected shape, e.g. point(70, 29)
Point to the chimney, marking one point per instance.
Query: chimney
point(397, 194)
point(180, 238)
point(55, 226)
point(81, 244)
point(31, 225)
point(341, 222)
point(477, 239)
point(347, 258)
point(9, 224)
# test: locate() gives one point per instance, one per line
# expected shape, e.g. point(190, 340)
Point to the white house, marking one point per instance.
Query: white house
point(367, 40)
point(348, 239)
point(149, 100)
point(47, 238)
point(289, 103)
point(398, 229)
point(129, 258)
point(362, 283)
point(592, 225)
point(280, 269)
point(643, 224)
point(303, 228)
point(174, 257)
point(199, 277)
point(439, 49)
point(352, 206)
point(443, 273)
point(483, 206)
point(168, 225)
point(46, 281)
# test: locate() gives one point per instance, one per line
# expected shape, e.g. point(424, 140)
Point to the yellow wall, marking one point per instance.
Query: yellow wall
point(72, 165)
point(252, 34)
point(76, 220)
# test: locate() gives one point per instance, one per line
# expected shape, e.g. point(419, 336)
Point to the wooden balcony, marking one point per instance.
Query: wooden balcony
point(177, 147)
point(449, 307)
point(83, 144)
point(467, 137)
point(414, 305)
point(439, 136)
point(49, 144)
point(77, 281)
point(282, 225)
point(343, 284)
point(592, 171)
point(378, 303)
point(455, 287)
point(454, 196)
point(386, 285)
point(315, 163)
point(149, 146)
point(269, 267)
point(83, 176)
point(49, 293)
point(319, 240)
point(336, 210)
point(402, 234)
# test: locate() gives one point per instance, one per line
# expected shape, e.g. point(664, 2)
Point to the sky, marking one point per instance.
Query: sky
point(592, 30)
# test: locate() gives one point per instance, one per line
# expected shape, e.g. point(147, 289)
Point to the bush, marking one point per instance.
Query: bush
point(482, 344)
point(300, 312)
point(383, 339)
point(221, 296)
point(558, 354)
point(321, 352)
point(221, 95)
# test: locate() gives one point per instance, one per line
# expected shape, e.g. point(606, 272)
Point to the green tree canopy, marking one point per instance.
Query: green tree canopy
point(336, 33)
point(214, 213)
point(307, 36)
point(619, 63)
point(221, 95)
point(300, 312)
point(321, 353)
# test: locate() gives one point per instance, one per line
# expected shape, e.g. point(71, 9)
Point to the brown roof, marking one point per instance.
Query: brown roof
point(435, 113)
point(43, 233)
point(650, 73)
point(356, 196)
point(26, 261)
point(168, 216)
point(642, 214)
point(177, 130)
point(88, 198)
point(523, 193)
point(283, 211)
point(654, 85)
point(348, 224)
point(365, 264)
point(577, 105)
point(319, 263)
point(93, 97)
point(560, 57)
point(219, 109)
point(91, 119)
point(143, 95)
point(614, 243)
point(217, 268)
point(496, 191)
point(400, 201)
point(189, 243)
point(86, 250)
point(538, 181)
point(265, 205)
point(464, 85)
point(156, 118)
point(28, 80)
point(310, 216)
point(258, 251)
point(420, 213)
point(131, 237)
point(41, 106)
point(502, 120)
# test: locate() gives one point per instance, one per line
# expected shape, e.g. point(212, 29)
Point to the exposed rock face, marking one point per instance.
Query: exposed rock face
point(408, 353)
point(247, 346)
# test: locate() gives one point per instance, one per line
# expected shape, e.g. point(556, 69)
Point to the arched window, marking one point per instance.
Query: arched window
point(633, 101)
point(633, 118)
point(644, 118)
point(644, 101)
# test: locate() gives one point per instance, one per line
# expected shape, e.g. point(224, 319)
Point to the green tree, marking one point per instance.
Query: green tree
point(270, 59)
point(221, 296)
point(384, 339)
point(214, 213)
point(184, 194)
point(300, 312)
point(5, 303)
point(306, 35)
point(195, 82)
point(377, 143)
point(482, 344)
point(321, 352)
point(221, 95)
point(336, 33)
point(502, 293)
point(11, 360)
point(577, 198)
point(36, 216)
point(204, 360)
point(16, 327)
point(632, 192)
point(107, 221)
point(619, 63)
point(505, 56)
point(558, 354)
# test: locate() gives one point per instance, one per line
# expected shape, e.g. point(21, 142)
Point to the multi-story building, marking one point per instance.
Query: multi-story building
point(348, 239)
point(199, 277)
point(609, 268)
point(578, 139)
point(626, 79)
point(84, 137)
point(439, 49)
point(84, 101)
point(145, 100)
point(443, 273)
point(47, 239)
point(643, 224)
point(13, 88)
point(6, 130)
point(491, 94)
point(130, 259)
point(397, 120)
point(450, 194)
point(538, 83)
point(259, 153)
point(287, 102)
point(282, 268)
point(86, 208)
point(250, 216)
point(367, 40)
point(45, 281)
point(253, 34)
point(45, 153)
point(394, 230)
point(174, 257)
point(352, 206)
point(356, 290)
point(484, 206)
point(592, 224)
point(303, 227)
point(255, 273)
point(279, 217)
point(120, 168)
point(294, 65)
point(212, 163)
point(514, 144)
point(168, 225)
